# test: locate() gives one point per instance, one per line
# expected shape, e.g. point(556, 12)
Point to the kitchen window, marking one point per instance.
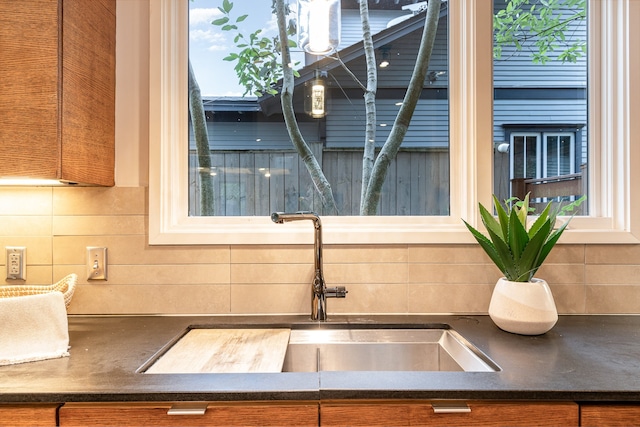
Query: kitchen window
point(611, 219)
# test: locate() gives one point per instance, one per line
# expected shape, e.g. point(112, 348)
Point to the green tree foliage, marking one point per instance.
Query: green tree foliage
point(541, 27)
point(257, 57)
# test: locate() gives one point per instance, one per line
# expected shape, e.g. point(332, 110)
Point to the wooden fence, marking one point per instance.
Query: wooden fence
point(253, 183)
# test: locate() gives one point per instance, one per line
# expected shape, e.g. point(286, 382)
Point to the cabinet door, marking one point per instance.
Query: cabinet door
point(216, 414)
point(414, 413)
point(623, 415)
point(28, 415)
point(57, 82)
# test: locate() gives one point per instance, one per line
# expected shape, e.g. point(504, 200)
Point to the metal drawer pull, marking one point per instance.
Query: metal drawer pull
point(450, 407)
point(188, 409)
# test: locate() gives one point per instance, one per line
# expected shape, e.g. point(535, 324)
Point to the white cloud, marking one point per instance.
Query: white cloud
point(203, 15)
point(210, 37)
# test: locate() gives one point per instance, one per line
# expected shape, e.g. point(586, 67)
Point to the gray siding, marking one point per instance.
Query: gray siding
point(253, 135)
point(429, 126)
point(515, 69)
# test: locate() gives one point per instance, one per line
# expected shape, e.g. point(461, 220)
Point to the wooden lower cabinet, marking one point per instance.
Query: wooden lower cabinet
point(449, 413)
point(216, 414)
point(368, 413)
point(40, 414)
point(609, 415)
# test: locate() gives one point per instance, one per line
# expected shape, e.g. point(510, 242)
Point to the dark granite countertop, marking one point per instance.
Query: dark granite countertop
point(583, 358)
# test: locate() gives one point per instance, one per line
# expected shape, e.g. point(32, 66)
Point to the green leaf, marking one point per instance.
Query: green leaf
point(518, 237)
point(530, 259)
point(241, 18)
point(488, 247)
point(220, 21)
point(506, 257)
point(544, 216)
point(227, 6)
point(523, 211)
point(490, 223)
point(550, 243)
point(503, 218)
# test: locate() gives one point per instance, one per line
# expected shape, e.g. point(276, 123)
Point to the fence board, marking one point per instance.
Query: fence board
point(260, 182)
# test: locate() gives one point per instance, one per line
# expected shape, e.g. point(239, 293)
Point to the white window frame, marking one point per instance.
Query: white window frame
point(545, 152)
point(614, 160)
point(512, 152)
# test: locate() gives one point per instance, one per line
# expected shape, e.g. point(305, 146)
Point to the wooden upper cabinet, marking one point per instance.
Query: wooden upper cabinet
point(57, 90)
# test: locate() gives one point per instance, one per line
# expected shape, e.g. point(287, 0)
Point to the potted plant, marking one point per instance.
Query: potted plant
point(520, 303)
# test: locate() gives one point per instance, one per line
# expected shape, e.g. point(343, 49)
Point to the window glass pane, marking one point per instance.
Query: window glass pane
point(565, 155)
point(248, 165)
point(540, 88)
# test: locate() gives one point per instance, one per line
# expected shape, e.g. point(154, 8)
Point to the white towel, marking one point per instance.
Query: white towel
point(33, 327)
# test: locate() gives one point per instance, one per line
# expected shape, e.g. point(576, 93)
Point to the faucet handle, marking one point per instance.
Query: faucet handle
point(336, 292)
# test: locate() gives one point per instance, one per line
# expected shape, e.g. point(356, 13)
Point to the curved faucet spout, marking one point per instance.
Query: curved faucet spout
point(282, 217)
point(319, 291)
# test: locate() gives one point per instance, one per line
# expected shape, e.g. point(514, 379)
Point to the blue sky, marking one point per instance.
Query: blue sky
point(208, 44)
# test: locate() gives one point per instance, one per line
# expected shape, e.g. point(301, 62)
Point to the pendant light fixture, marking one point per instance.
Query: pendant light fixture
point(319, 26)
point(316, 96)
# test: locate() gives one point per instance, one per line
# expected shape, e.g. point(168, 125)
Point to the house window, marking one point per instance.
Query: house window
point(614, 215)
point(542, 154)
point(526, 159)
point(255, 168)
point(558, 157)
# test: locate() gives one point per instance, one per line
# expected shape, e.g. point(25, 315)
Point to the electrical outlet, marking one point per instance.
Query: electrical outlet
point(16, 262)
point(96, 263)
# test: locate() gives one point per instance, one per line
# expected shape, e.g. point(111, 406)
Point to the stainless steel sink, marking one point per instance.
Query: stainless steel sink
point(383, 350)
point(329, 348)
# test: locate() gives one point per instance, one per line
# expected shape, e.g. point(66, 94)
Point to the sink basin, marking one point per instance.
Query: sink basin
point(203, 349)
point(383, 350)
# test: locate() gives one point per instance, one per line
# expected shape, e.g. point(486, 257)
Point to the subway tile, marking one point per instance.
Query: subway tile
point(453, 273)
point(25, 226)
point(448, 254)
point(566, 254)
point(370, 299)
point(447, 298)
point(272, 254)
point(364, 254)
point(271, 299)
point(612, 299)
point(150, 299)
point(603, 274)
point(562, 273)
point(377, 273)
point(177, 275)
point(94, 225)
point(134, 250)
point(569, 298)
point(612, 254)
point(100, 201)
point(26, 201)
point(268, 274)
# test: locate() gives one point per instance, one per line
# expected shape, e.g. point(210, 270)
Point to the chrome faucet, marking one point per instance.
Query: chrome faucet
point(319, 290)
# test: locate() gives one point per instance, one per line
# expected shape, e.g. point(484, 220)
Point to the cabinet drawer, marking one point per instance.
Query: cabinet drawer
point(597, 415)
point(216, 414)
point(28, 415)
point(412, 413)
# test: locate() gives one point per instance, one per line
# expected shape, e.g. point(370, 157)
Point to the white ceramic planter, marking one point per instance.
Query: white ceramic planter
point(525, 308)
